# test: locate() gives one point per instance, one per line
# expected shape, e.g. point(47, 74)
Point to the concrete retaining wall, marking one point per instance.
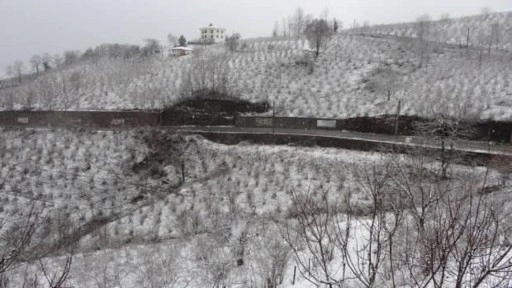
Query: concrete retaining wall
point(286, 122)
point(85, 119)
point(484, 131)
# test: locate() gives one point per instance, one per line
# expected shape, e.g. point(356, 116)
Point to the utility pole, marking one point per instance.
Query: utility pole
point(273, 117)
point(397, 117)
point(182, 171)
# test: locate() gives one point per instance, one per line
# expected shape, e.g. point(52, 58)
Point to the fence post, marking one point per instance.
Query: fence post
point(294, 274)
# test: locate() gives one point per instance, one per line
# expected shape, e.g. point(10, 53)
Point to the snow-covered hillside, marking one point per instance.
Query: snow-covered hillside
point(482, 30)
point(222, 225)
point(87, 175)
point(355, 75)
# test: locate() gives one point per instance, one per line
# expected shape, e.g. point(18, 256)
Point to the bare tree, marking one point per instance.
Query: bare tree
point(445, 17)
point(495, 36)
point(172, 39)
point(75, 79)
point(425, 240)
point(318, 34)
point(9, 71)
point(57, 279)
point(284, 28)
point(275, 31)
point(368, 250)
point(18, 239)
point(313, 216)
point(455, 234)
point(485, 11)
point(57, 60)
point(325, 14)
point(208, 75)
point(384, 80)
point(215, 261)
point(16, 70)
point(70, 57)
point(484, 251)
point(503, 166)
point(36, 62)
point(27, 239)
point(364, 244)
point(151, 47)
point(423, 29)
point(271, 254)
point(299, 22)
point(46, 59)
point(416, 228)
point(336, 26)
point(445, 131)
point(232, 42)
point(161, 268)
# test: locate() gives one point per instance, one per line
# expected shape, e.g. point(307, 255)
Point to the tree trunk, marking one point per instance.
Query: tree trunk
point(467, 39)
point(182, 171)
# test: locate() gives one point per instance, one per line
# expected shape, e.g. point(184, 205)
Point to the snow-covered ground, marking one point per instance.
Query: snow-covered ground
point(87, 174)
point(482, 29)
point(345, 81)
point(223, 224)
point(228, 190)
point(177, 234)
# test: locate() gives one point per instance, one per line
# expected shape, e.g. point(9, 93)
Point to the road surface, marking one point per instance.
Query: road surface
point(413, 141)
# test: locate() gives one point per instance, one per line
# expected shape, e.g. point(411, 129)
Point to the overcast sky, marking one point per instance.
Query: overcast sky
point(29, 27)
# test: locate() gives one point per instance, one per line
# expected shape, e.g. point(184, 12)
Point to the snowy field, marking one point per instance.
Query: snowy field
point(228, 190)
point(455, 31)
point(88, 174)
point(231, 206)
point(354, 76)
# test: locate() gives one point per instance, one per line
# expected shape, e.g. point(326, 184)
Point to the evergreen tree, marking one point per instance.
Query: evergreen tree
point(182, 41)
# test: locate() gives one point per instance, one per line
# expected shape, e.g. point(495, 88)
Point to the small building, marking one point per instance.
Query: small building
point(179, 51)
point(212, 34)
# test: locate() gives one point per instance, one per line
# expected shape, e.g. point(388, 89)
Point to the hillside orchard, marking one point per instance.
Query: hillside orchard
point(155, 208)
point(360, 72)
point(228, 215)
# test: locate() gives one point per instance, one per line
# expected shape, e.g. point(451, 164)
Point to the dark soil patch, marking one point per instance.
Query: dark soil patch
point(165, 149)
point(209, 108)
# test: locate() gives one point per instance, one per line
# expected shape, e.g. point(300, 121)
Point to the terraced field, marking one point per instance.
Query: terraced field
point(356, 75)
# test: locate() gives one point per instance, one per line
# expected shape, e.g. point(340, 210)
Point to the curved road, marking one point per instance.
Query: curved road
point(460, 145)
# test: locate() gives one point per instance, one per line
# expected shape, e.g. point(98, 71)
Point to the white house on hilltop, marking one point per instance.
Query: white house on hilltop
point(212, 34)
